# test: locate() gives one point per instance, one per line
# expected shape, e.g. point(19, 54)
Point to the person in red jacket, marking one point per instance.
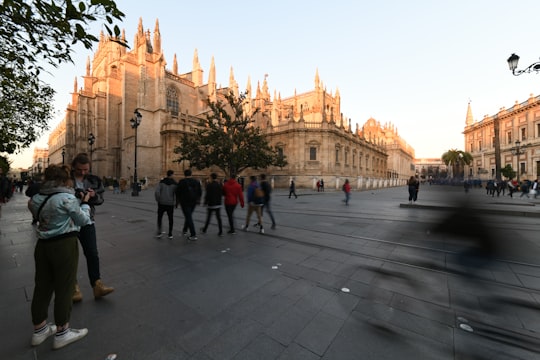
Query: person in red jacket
point(232, 192)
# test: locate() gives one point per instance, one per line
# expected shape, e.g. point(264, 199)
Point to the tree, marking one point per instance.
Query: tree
point(228, 139)
point(508, 172)
point(5, 165)
point(34, 34)
point(456, 160)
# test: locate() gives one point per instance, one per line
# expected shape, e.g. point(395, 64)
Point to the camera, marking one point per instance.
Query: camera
point(80, 193)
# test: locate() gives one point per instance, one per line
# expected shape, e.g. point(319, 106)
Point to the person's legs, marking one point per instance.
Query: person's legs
point(190, 223)
point(161, 210)
point(248, 216)
point(44, 287)
point(269, 211)
point(207, 222)
point(64, 264)
point(218, 216)
point(258, 210)
point(170, 216)
point(87, 238)
point(229, 209)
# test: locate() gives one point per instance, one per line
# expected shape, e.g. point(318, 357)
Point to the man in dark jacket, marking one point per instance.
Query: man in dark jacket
point(267, 189)
point(166, 199)
point(212, 200)
point(84, 182)
point(188, 195)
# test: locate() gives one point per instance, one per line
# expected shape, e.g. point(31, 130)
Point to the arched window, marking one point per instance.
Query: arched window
point(172, 100)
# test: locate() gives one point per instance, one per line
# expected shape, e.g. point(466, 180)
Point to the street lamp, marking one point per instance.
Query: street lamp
point(518, 150)
point(63, 155)
point(91, 141)
point(135, 122)
point(513, 63)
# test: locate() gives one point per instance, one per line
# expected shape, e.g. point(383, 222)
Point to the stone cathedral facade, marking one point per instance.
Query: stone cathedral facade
point(318, 141)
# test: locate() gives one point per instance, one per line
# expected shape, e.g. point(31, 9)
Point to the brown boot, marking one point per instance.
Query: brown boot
point(101, 290)
point(77, 294)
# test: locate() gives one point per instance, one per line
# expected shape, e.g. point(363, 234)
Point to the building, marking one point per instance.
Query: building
point(430, 169)
point(318, 141)
point(519, 140)
point(40, 160)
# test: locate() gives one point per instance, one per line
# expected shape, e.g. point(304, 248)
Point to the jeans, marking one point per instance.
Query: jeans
point(218, 216)
point(229, 209)
point(169, 209)
point(87, 238)
point(188, 219)
point(269, 211)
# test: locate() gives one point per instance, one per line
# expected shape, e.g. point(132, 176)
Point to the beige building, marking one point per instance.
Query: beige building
point(519, 138)
point(40, 160)
point(318, 141)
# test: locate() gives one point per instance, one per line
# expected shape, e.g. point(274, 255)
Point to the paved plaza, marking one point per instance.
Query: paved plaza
point(373, 280)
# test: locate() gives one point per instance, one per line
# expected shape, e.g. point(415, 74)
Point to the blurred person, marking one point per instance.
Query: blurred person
point(255, 197)
point(292, 189)
point(56, 255)
point(233, 195)
point(212, 200)
point(267, 189)
point(84, 182)
point(413, 186)
point(188, 195)
point(347, 191)
point(165, 195)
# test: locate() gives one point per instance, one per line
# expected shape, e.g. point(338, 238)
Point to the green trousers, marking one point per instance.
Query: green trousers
point(56, 272)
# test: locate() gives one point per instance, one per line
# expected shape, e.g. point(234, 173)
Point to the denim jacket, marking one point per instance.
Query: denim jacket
point(62, 213)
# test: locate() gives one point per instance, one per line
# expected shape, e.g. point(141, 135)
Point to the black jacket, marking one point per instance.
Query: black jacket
point(214, 194)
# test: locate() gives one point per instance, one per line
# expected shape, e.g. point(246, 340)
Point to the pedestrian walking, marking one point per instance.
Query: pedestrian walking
point(292, 189)
point(267, 189)
point(413, 186)
point(188, 195)
point(534, 188)
point(212, 200)
point(347, 191)
point(165, 195)
point(322, 185)
point(84, 182)
point(56, 255)
point(255, 197)
point(233, 195)
point(524, 186)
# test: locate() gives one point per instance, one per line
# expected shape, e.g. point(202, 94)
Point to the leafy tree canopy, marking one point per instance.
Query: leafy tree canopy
point(508, 172)
point(456, 159)
point(34, 34)
point(228, 139)
point(5, 165)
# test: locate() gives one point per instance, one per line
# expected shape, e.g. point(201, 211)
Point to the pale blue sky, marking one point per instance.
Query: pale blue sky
point(412, 63)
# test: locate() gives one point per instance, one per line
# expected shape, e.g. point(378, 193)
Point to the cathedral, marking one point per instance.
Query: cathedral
point(318, 141)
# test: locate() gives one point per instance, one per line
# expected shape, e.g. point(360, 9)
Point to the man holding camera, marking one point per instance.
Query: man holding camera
point(84, 182)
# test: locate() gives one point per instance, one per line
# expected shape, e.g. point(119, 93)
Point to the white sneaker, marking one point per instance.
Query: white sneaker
point(71, 335)
point(40, 337)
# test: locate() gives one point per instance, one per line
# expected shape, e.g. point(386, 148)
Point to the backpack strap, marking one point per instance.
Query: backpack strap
point(43, 203)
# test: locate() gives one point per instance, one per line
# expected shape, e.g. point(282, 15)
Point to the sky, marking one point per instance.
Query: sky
point(415, 64)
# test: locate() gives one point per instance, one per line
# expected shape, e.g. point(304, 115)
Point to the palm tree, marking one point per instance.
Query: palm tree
point(456, 160)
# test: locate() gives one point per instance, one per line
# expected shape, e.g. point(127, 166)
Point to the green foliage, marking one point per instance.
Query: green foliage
point(228, 139)
point(34, 34)
point(508, 172)
point(5, 165)
point(456, 159)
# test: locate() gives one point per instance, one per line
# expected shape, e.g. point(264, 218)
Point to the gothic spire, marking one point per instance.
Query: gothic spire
point(175, 65)
point(157, 38)
point(469, 119)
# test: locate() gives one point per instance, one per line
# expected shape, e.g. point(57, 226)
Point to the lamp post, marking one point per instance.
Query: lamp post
point(91, 141)
point(135, 122)
point(518, 150)
point(513, 63)
point(63, 155)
